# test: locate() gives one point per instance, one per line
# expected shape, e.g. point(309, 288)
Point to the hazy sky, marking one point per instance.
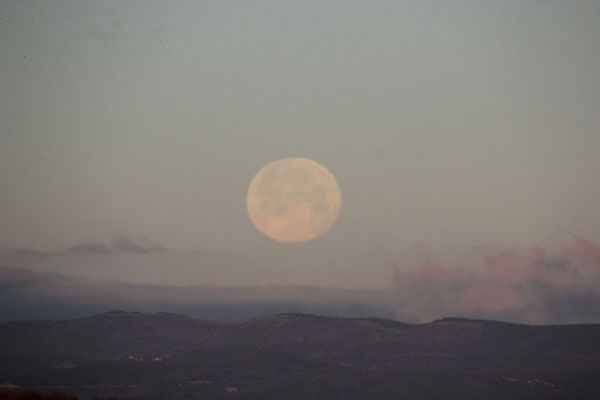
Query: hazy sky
point(448, 124)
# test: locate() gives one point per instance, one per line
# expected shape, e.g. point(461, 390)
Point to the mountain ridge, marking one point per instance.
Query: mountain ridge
point(299, 356)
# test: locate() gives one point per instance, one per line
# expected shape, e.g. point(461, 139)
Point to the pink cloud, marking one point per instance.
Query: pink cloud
point(540, 285)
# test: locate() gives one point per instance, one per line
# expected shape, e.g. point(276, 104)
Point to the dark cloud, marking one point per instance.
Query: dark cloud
point(122, 243)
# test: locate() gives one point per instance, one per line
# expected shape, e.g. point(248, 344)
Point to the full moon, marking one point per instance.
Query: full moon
point(293, 200)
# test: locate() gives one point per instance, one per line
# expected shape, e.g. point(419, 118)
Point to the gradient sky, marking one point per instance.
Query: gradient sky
point(449, 125)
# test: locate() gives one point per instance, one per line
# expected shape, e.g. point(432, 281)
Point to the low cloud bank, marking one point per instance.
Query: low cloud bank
point(26, 294)
point(555, 285)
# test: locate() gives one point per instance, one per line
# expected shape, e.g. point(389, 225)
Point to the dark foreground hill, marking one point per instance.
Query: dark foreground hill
point(293, 356)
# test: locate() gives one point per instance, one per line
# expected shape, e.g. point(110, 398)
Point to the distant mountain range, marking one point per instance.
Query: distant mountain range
point(300, 356)
point(27, 294)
